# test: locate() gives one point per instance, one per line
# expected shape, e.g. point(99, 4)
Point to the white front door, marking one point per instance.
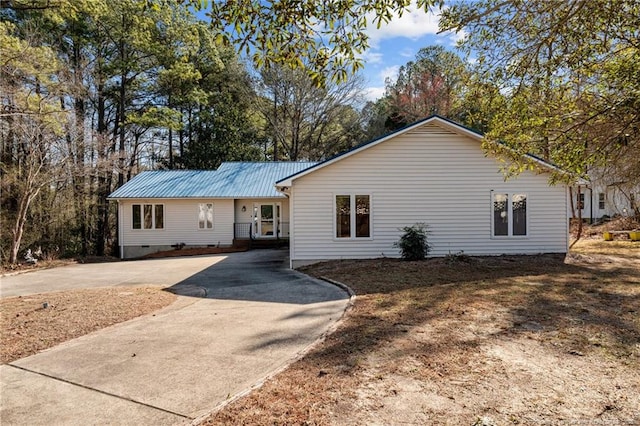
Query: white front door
point(266, 218)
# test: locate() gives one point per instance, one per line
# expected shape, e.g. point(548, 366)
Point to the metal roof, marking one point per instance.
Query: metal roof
point(231, 180)
point(245, 180)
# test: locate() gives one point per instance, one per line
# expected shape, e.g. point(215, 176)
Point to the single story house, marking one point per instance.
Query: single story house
point(354, 204)
point(165, 209)
point(605, 198)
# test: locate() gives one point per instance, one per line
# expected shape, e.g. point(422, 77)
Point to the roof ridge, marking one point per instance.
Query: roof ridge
point(269, 162)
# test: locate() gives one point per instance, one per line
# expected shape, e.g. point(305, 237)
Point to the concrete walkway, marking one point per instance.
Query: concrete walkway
point(180, 363)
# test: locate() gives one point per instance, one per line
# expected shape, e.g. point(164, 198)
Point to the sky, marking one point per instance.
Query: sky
point(396, 43)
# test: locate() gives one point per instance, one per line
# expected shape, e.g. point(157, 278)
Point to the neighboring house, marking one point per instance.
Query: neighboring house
point(602, 198)
point(165, 209)
point(353, 205)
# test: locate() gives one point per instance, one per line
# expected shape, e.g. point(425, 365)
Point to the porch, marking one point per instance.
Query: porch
point(248, 234)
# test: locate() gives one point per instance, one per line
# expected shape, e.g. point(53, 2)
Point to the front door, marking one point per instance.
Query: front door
point(267, 220)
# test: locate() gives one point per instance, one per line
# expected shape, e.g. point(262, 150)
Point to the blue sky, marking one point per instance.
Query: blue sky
point(397, 42)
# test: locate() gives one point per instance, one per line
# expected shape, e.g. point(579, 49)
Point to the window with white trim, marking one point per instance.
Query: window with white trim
point(601, 200)
point(205, 216)
point(147, 216)
point(353, 216)
point(509, 214)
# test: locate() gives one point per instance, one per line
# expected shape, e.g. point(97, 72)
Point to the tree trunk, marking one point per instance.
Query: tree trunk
point(572, 204)
point(275, 121)
point(170, 149)
point(102, 189)
point(579, 221)
point(79, 175)
point(18, 227)
point(121, 102)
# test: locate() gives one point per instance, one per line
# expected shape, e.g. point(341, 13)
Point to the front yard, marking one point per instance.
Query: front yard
point(30, 324)
point(493, 340)
point(503, 340)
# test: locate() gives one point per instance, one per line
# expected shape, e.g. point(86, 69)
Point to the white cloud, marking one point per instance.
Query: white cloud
point(454, 37)
point(389, 72)
point(413, 24)
point(374, 93)
point(407, 53)
point(371, 57)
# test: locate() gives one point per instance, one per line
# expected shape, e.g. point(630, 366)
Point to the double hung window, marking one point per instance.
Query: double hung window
point(205, 216)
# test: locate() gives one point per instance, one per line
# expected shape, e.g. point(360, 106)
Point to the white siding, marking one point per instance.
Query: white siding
point(617, 202)
point(180, 224)
point(245, 216)
point(428, 175)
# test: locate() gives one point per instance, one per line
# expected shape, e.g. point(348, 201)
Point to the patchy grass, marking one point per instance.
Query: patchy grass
point(26, 267)
point(52, 263)
point(28, 326)
point(499, 340)
point(622, 248)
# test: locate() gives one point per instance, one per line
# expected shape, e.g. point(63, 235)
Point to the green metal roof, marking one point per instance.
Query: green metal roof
point(231, 180)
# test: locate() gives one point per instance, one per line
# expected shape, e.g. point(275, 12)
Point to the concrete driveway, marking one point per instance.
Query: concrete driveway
point(163, 272)
point(240, 318)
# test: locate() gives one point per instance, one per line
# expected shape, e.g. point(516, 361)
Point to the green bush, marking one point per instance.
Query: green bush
point(413, 243)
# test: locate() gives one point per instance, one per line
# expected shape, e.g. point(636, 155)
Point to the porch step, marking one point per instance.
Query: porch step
point(242, 244)
point(258, 244)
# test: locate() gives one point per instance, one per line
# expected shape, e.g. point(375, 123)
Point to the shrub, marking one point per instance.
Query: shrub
point(413, 243)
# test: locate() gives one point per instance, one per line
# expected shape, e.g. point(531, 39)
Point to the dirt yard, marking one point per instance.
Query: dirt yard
point(475, 341)
point(30, 324)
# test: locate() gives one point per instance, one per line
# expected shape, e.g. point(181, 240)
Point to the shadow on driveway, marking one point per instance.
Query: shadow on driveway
point(259, 276)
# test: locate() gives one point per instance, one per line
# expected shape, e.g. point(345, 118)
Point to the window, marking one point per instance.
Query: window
point(580, 201)
point(147, 216)
point(509, 215)
point(362, 216)
point(500, 214)
point(353, 216)
point(343, 216)
point(601, 198)
point(137, 223)
point(205, 216)
point(519, 208)
point(159, 216)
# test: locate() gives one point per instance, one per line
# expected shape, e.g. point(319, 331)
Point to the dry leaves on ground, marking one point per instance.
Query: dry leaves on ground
point(617, 250)
point(500, 340)
point(29, 324)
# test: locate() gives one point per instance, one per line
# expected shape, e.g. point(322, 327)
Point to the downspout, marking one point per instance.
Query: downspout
point(120, 226)
point(590, 206)
point(291, 229)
